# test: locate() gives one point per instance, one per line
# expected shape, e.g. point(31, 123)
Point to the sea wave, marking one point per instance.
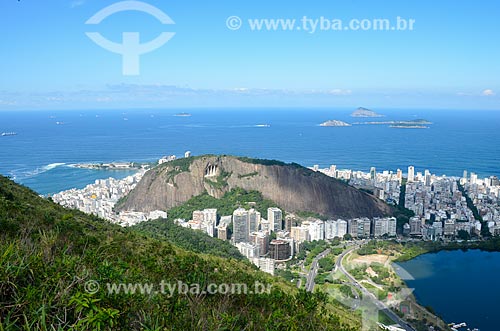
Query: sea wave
point(52, 166)
point(24, 173)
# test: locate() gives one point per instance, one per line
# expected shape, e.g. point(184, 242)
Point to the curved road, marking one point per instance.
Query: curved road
point(367, 294)
point(314, 270)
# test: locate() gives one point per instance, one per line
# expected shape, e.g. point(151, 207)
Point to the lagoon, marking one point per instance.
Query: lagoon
point(461, 286)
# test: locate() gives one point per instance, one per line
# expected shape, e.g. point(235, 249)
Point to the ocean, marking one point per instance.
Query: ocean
point(48, 142)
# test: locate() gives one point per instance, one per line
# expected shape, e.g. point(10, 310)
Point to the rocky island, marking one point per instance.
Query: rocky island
point(364, 112)
point(410, 124)
point(334, 123)
point(413, 124)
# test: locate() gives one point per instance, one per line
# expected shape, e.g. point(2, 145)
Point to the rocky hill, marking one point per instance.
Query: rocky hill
point(291, 186)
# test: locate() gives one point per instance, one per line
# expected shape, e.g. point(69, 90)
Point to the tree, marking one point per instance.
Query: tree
point(326, 263)
point(347, 236)
point(463, 235)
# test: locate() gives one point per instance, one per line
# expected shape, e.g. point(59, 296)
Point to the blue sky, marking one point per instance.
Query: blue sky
point(451, 59)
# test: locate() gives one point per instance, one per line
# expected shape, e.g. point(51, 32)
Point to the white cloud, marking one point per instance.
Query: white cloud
point(77, 3)
point(488, 93)
point(8, 103)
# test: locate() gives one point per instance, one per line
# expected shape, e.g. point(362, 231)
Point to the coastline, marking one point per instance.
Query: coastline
point(393, 290)
point(422, 247)
point(112, 166)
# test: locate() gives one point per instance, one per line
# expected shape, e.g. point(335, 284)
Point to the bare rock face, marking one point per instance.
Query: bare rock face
point(291, 186)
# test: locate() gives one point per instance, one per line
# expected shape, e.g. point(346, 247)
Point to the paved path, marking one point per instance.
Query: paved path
point(313, 272)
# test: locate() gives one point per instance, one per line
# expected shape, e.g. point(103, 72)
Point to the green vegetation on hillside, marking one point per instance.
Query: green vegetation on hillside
point(181, 164)
point(251, 174)
point(176, 167)
point(231, 200)
point(193, 240)
point(48, 254)
point(306, 214)
point(261, 161)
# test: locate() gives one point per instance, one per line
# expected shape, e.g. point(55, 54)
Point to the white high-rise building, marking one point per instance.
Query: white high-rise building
point(380, 227)
point(210, 215)
point(438, 228)
point(333, 171)
point(265, 264)
point(392, 226)
point(253, 220)
point(210, 221)
point(209, 228)
point(275, 217)
point(240, 225)
point(264, 225)
point(330, 229)
point(473, 178)
point(317, 230)
point(198, 216)
point(427, 178)
point(299, 233)
point(248, 250)
point(400, 175)
point(341, 228)
point(411, 174)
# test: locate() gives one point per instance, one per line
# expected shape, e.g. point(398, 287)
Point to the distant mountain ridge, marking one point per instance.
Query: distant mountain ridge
point(291, 186)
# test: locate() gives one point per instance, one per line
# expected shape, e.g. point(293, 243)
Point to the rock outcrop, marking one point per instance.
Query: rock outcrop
point(291, 186)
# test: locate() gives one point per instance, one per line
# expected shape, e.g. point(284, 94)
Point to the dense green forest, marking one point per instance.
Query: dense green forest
point(231, 200)
point(193, 240)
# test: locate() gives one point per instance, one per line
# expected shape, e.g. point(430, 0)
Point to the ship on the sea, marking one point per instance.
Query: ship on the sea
point(183, 114)
point(6, 134)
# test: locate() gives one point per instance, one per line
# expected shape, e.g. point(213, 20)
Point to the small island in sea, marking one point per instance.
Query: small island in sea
point(334, 123)
point(410, 124)
point(364, 112)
